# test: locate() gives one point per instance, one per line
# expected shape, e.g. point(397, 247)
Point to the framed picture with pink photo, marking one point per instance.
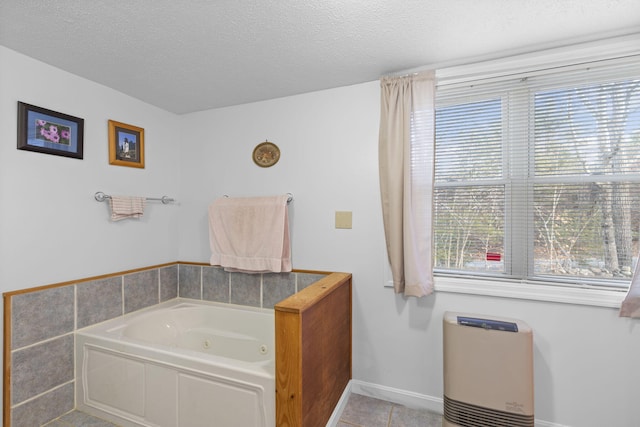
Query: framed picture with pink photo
point(50, 132)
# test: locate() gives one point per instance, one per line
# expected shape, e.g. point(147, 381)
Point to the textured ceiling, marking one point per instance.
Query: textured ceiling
point(186, 56)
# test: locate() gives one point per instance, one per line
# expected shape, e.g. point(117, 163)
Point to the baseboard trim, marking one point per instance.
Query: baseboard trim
point(337, 411)
point(399, 397)
point(540, 423)
point(394, 395)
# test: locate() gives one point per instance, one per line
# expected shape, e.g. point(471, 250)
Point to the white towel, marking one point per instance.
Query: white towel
point(123, 207)
point(250, 234)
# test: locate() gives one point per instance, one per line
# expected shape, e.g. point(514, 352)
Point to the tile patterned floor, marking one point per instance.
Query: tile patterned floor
point(79, 419)
point(363, 411)
point(360, 411)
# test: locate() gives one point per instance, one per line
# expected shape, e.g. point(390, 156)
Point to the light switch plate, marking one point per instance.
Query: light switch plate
point(343, 219)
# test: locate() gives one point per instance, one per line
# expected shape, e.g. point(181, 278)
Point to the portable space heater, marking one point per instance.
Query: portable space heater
point(488, 371)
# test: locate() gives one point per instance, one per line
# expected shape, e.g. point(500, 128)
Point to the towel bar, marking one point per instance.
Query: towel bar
point(101, 197)
point(289, 198)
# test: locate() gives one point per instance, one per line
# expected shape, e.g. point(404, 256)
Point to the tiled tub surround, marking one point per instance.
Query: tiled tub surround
point(40, 323)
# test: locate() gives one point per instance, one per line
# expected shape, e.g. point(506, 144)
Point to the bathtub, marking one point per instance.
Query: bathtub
point(183, 363)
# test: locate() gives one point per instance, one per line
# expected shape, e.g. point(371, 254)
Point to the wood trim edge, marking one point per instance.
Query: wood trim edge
point(6, 351)
point(313, 293)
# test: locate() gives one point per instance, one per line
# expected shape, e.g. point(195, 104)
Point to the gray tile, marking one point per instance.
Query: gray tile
point(189, 281)
point(306, 279)
point(41, 367)
point(36, 316)
point(366, 411)
point(98, 300)
point(245, 289)
point(276, 287)
point(44, 408)
point(215, 284)
point(168, 283)
point(82, 419)
point(56, 423)
point(140, 290)
point(407, 417)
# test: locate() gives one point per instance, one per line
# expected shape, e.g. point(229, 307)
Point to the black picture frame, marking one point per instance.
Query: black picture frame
point(49, 132)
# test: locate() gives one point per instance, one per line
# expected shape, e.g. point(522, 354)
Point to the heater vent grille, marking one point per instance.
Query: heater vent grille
point(467, 415)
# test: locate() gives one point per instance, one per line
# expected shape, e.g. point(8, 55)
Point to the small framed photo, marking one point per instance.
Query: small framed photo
point(49, 132)
point(126, 145)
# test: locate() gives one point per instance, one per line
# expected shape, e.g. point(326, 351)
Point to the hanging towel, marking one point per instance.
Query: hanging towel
point(250, 234)
point(123, 207)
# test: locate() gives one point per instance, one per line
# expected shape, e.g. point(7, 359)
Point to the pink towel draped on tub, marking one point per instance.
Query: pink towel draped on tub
point(250, 234)
point(123, 207)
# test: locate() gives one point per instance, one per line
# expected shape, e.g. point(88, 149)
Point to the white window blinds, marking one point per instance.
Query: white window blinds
point(537, 176)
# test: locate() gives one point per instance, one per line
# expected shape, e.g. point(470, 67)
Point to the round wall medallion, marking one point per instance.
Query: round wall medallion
point(266, 154)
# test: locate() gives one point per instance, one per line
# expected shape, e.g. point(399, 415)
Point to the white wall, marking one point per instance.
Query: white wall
point(585, 357)
point(52, 230)
point(51, 227)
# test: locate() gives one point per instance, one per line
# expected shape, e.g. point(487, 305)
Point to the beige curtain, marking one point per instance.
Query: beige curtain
point(406, 155)
point(631, 305)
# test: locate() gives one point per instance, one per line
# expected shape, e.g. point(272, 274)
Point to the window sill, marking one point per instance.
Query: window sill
point(609, 298)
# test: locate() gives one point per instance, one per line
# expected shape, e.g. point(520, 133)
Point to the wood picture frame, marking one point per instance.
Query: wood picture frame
point(126, 145)
point(49, 132)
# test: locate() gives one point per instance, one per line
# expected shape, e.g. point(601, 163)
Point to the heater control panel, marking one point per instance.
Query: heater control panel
point(491, 324)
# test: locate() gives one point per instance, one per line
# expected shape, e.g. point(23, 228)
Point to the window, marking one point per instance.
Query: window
point(537, 177)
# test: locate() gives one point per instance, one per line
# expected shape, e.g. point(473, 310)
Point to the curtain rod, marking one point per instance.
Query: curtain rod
point(613, 46)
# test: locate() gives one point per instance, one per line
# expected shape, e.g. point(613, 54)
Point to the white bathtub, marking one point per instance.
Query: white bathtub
point(184, 363)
